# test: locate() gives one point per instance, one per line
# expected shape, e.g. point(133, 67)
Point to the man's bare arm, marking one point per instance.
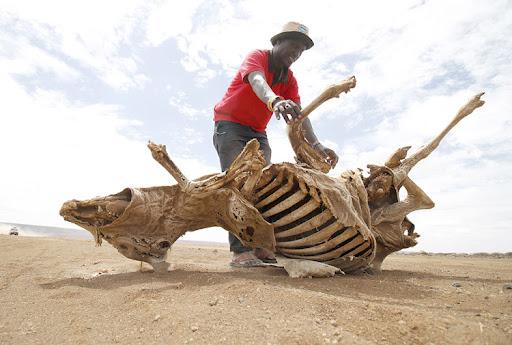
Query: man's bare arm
point(260, 86)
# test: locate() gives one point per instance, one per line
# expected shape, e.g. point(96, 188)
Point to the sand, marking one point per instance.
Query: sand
point(56, 291)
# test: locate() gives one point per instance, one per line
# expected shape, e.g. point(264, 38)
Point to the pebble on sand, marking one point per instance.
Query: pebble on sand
point(213, 302)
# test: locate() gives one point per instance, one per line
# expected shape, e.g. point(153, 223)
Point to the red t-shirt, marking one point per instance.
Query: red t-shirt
point(241, 105)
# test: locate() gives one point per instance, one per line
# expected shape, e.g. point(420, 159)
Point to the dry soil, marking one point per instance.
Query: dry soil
point(56, 291)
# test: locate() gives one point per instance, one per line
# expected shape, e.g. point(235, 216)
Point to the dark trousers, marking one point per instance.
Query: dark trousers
point(229, 139)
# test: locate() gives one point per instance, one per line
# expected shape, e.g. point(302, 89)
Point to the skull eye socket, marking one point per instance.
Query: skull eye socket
point(164, 245)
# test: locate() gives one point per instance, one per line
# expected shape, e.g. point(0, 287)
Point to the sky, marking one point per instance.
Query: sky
point(84, 86)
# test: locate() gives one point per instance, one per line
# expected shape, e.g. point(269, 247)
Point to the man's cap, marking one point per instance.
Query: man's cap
point(294, 30)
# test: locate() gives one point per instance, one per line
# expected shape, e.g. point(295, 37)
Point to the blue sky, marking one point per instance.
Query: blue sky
point(85, 85)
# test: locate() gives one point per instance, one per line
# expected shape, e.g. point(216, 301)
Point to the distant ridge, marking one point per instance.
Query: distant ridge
point(74, 233)
point(45, 231)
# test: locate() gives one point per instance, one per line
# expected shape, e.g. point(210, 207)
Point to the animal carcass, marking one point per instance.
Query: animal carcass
point(351, 222)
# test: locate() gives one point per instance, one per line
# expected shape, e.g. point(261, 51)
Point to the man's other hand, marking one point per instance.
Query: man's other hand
point(330, 156)
point(288, 109)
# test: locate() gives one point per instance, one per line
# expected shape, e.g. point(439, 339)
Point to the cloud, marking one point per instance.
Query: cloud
point(167, 20)
point(25, 59)
point(181, 103)
point(92, 34)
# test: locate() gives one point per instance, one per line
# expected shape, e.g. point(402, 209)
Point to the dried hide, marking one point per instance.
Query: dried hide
point(349, 222)
point(297, 268)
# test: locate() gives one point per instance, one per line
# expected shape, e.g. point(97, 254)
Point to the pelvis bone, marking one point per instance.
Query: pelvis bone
point(351, 222)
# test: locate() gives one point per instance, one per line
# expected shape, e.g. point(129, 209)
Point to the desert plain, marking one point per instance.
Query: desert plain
point(63, 291)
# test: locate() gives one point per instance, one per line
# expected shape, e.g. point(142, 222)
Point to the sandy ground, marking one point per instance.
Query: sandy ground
point(55, 291)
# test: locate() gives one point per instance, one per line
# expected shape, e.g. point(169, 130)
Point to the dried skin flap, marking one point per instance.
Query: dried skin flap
point(345, 196)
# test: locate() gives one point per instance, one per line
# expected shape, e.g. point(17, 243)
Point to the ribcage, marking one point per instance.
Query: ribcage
point(304, 227)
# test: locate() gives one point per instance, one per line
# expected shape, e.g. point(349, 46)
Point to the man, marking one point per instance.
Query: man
point(263, 85)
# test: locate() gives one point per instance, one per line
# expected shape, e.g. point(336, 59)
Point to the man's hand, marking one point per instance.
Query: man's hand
point(288, 109)
point(330, 156)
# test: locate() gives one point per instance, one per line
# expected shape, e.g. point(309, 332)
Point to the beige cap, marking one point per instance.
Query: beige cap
point(294, 30)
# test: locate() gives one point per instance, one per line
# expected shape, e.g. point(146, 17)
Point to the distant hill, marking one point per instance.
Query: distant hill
point(45, 231)
point(52, 231)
